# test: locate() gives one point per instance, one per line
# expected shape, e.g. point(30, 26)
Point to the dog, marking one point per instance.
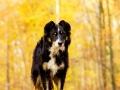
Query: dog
point(50, 57)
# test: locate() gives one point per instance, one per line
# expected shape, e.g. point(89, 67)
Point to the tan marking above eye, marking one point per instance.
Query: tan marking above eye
point(61, 32)
point(49, 39)
point(54, 33)
point(67, 38)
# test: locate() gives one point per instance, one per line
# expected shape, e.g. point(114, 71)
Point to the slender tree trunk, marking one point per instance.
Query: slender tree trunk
point(104, 65)
point(95, 46)
point(111, 50)
point(7, 67)
point(25, 87)
point(101, 59)
point(57, 10)
point(7, 57)
point(100, 43)
point(82, 75)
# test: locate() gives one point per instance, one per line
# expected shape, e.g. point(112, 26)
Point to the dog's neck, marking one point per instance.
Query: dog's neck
point(55, 50)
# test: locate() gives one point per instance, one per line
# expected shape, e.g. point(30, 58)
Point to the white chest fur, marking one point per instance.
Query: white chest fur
point(52, 62)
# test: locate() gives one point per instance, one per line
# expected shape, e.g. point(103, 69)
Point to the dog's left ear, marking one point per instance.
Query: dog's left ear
point(49, 26)
point(65, 25)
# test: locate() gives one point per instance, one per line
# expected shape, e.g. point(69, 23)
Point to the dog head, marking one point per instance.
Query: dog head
point(57, 34)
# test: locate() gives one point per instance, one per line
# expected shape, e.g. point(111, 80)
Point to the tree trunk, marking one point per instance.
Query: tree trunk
point(7, 57)
point(111, 50)
point(101, 59)
point(100, 14)
point(97, 58)
point(57, 11)
point(7, 67)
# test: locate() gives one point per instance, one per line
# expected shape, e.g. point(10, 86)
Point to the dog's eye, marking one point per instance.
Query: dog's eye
point(61, 32)
point(55, 34)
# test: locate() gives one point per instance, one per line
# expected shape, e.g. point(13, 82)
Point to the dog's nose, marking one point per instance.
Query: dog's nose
point(60, 43)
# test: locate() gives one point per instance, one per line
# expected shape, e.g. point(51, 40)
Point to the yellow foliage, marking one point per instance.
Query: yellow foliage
point(21, 26)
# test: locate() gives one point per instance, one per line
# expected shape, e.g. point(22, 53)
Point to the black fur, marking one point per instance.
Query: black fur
point(41, 55)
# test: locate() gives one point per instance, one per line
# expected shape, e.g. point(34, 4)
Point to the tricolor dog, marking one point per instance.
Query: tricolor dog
point(50, 57)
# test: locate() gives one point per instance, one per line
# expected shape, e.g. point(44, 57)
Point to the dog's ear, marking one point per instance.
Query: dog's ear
point(49, 26)
point(65, 25)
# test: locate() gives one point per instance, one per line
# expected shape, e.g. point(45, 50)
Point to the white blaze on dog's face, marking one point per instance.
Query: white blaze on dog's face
point(58, 36)
point(59, 41)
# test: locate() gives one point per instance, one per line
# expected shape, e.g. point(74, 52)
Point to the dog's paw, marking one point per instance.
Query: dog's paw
point(44, 66)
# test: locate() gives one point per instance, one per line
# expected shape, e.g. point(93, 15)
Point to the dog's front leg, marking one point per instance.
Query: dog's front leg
point(59, 82)
point(62, 80)
point(38, 85)
point(48, 84)
point(44, 80)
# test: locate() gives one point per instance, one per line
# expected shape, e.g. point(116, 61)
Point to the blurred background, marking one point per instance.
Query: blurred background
point(94, 53)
